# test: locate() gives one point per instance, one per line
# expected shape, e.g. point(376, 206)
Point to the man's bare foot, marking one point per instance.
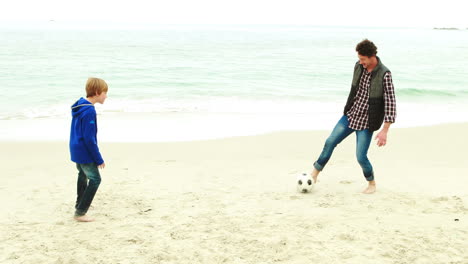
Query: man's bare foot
point(315, 174)
point(83, 218)
point(371, 188)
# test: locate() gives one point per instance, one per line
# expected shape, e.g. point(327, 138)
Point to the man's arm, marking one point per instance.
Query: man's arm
point(390, 109)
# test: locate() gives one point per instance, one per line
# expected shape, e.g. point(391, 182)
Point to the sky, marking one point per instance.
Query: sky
point(394, 13)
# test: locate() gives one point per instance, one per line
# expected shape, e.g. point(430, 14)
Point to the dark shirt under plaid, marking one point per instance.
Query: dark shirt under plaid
point(358, 114)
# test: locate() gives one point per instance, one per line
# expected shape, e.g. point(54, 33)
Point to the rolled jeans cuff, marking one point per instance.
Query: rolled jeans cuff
point(370, 177)
point(79, 212)
point(318, 166)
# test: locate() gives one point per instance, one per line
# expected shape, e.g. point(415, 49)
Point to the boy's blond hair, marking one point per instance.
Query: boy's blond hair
point(95, 86)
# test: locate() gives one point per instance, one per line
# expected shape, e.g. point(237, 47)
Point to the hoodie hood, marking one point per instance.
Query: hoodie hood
point(81, 106)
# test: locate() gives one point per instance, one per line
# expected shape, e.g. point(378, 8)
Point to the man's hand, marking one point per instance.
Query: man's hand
point(382, 135)
point(381, 138)
point(102, 166)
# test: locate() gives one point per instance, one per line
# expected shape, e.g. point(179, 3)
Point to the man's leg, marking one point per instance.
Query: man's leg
point(92, 173)
point(363, 140)
point(340, 132)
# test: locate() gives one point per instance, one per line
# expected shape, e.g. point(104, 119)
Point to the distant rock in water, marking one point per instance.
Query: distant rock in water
point(451, 28)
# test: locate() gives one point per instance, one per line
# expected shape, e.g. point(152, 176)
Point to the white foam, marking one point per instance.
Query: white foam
point(206, 122)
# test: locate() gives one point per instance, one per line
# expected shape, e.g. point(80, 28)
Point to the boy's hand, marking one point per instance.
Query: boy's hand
point(102, 166)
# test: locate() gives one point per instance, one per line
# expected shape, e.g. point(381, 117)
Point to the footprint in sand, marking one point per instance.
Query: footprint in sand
point(440, 199)
point(324, 205)
point(346, 182)
point(346, 237)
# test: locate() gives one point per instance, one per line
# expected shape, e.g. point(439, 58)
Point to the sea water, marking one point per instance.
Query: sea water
point(185, 82)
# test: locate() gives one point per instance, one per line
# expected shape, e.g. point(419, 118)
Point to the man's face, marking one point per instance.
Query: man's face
point(364, 61)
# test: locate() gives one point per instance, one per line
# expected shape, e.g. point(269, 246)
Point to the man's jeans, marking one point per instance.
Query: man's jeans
point(85, 190)
point(340, 132)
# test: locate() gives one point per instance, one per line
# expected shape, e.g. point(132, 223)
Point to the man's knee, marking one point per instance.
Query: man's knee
point(330, 143)
point(362, 159)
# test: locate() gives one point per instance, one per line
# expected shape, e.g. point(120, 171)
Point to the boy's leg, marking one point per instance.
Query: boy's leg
point(92, 173)
point(363, 140)
point(339, 133)
point(81, 184)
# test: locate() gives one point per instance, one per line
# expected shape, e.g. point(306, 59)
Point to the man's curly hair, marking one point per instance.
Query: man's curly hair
point(366, 48)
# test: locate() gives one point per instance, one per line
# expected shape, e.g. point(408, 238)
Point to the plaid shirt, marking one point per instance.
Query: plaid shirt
point(358, 114)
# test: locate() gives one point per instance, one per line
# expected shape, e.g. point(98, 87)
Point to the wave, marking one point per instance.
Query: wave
point(415, 92)
point(199, 105)
point(256, 104)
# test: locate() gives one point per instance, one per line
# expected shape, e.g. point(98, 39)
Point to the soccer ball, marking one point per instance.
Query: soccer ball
point(304, 183)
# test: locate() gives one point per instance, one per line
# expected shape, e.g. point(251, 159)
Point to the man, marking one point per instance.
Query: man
point(370, 103)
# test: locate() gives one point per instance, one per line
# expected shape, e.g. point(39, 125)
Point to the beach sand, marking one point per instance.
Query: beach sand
point(234, 201)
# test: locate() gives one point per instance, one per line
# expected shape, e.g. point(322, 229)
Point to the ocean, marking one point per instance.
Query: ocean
point(192, 82)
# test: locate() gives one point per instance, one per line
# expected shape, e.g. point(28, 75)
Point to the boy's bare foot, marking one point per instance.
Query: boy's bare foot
point(371, 188)
point(83, 218)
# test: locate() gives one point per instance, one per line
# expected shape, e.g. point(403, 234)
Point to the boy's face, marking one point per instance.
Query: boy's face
point(101, 98)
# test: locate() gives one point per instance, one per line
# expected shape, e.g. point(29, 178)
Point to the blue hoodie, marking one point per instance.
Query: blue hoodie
point(83, 142)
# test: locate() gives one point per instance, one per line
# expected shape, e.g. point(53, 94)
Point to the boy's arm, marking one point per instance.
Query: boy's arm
point(89, 134)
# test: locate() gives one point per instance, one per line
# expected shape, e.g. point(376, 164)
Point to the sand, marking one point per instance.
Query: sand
point(234, 201)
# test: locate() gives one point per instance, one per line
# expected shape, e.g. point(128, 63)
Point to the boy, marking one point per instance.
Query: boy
point(84, 150)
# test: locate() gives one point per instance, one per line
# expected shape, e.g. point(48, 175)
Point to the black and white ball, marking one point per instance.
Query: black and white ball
point(304, 183)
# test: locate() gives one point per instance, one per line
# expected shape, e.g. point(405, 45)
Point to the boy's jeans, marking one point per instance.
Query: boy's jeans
point(85, 190)
point(340, 132)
